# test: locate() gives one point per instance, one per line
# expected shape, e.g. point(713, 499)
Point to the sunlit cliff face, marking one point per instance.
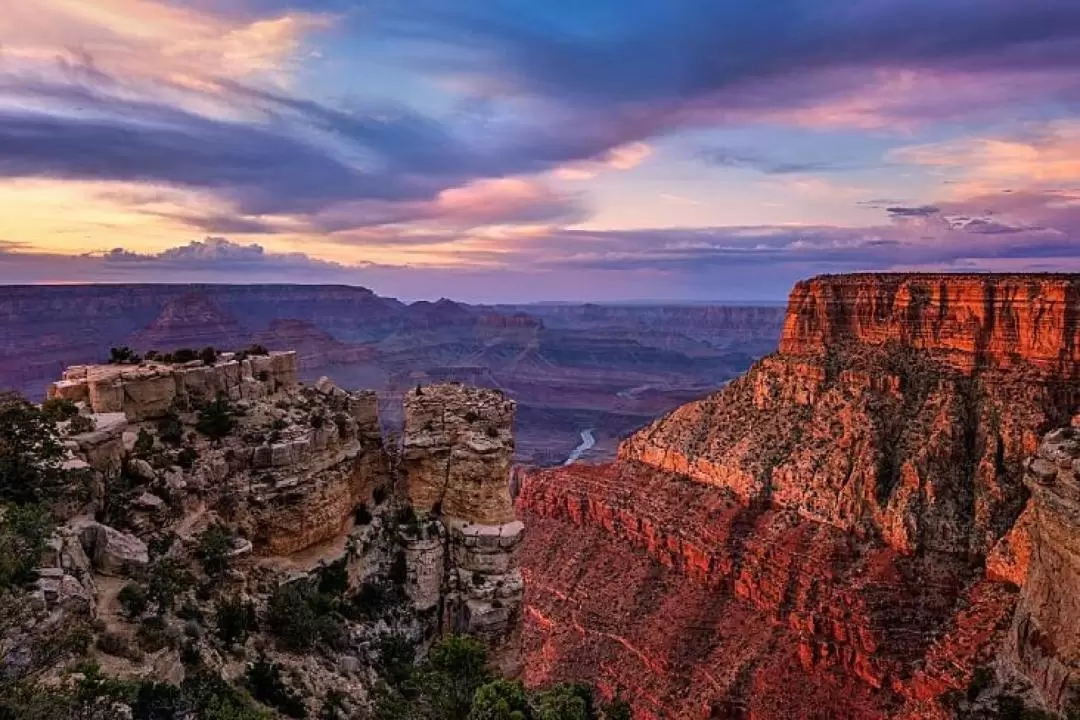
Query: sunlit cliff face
point(500, 150)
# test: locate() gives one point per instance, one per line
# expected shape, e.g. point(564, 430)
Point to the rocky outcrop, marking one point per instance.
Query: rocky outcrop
point(457, 452)
point(877, 417)
point(150, 389)
point(112, 552)
point(1044, 640)
point(457, 449)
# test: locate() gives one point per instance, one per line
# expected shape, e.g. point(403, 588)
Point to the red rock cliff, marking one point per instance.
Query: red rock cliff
point(965, 321)
point(812, 537)
point(899, 406)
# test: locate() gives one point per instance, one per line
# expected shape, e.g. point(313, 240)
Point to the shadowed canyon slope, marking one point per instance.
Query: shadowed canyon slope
point(570, 367)
point(838, 528)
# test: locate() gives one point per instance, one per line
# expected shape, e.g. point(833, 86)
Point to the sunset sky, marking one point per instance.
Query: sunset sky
point(507, 150)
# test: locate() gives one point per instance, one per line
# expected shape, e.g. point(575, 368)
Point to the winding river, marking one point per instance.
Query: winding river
point(587, 441)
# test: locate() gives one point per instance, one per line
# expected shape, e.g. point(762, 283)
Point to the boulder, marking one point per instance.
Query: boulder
point(110, 550)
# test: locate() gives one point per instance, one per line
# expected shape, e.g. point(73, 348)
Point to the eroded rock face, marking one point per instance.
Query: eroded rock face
point(842, 527)
point(964, 321)
point(147, 391)
point(901, 406)
point(457, 452)
point(1045, 636)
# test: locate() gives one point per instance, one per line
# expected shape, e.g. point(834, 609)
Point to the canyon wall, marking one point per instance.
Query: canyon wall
point(844, 526)
point(457, 450)
point(1044, 641)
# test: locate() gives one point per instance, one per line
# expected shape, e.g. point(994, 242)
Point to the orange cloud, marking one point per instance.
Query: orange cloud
point(623, 157)
point(1050, 156)
point(151, 40)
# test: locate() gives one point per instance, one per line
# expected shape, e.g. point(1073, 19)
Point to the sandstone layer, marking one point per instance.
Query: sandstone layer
point(1045, 637)
point(457, 450)
point(841, 529)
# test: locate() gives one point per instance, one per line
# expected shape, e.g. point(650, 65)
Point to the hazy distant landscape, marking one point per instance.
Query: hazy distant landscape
point(606, 368)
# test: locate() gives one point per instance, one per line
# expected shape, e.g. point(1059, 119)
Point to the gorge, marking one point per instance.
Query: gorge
point(842, 528)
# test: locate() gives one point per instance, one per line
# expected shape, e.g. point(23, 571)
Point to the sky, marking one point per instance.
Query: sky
point(516, 150)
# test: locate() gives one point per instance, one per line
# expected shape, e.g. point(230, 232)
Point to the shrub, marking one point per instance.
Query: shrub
point(213, 549)
point(566, 701)
point(208, 355)
point(186, 457)
point(256, 350)
point(317, 420)
point(216, 419)
point(500, 700)
point(184, 355)
point(123, 356)
point(981, 679)
point(167, 579)
point(399, 569)
point(334, 579)
point(24, 530)
point(153, 634)
point(144, 444)
point(30, 453)
point(169, 428)
point(267, 686)
point(362, 514)
point(81, 424)
point(236, 619)
point(133, 600)
point(59, 409)
point(117, 645)
point(333, 707)
point(396, 658)
point(301, 618)
point(379, 495)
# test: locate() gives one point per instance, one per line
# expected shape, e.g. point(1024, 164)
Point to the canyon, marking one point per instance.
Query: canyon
point(871, 522)
point(607, 368)
point(260, 495)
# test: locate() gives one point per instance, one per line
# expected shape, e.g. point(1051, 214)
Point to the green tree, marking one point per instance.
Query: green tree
point(59, 409)
point(167, 579)
point(23, 532)
point(563, 702)
point(30, 453)
point(123, 356)
point(500, 700)
point(213, 550)
point(216, 419)
point(236, 619)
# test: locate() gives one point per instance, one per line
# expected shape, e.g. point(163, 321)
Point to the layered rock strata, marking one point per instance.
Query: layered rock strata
point(843, 527)
point(1044, 641)
point(457, 450)
point(901, 406)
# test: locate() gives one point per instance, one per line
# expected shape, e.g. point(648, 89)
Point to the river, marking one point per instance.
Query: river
point(587, 441)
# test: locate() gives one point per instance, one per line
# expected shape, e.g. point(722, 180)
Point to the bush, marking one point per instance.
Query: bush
point(317, 420)
point(123, 356)
point(186, 457)
point(362, 514)
point(167, 579)
point(256, 350)
point(500, 700)
point(399, 569)
point(208, 355)
point(564, 702)
point(144, 444)
point(117, 645)
point(268, 687)
point(81, 424)
point(59, 409)
point(184, 355)
point(216, 419)
point(133, 600)
point(301, 618)
point(24, 529)
point(334, 579)
point(169, 428)
point(153, 634)
point(236, 620)
point(396, 658)
point(213, 698)
point(213, 549)
point(981, 679)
